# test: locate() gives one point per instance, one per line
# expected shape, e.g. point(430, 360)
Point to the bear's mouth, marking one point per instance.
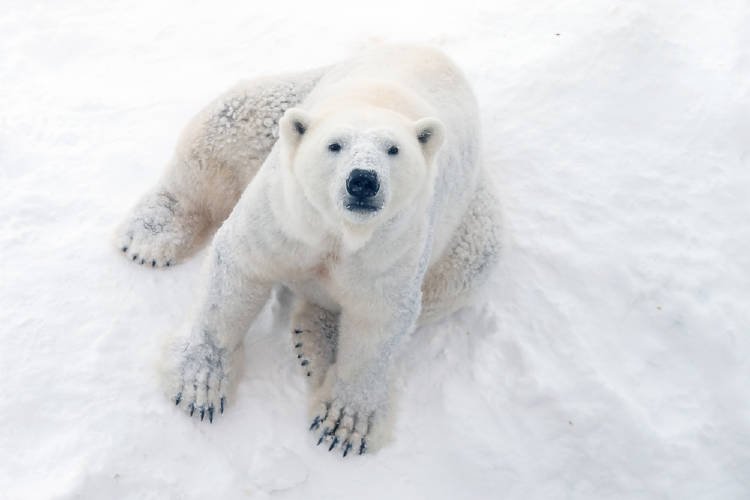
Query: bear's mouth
point(361, 206)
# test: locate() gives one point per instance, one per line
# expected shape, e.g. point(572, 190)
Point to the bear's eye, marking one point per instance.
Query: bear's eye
point(334, 147)
point(393, 150)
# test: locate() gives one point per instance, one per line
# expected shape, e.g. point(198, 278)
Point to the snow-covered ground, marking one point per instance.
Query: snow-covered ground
point(608, 359)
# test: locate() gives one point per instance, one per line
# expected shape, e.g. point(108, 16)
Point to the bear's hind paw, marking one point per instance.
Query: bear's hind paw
point(156, 233)
point(145, 255)
point(304, 362)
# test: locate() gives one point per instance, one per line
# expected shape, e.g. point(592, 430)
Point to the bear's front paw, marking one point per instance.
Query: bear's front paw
point(197, 379)
point(341, 426)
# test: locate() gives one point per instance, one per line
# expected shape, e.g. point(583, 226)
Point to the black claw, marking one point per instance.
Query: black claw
point(304, 362)
point(192, 409)
point(347, 446)
point(308, 374)
point(124, 249)
point(323, 435)
point(203, 412)
point(178, 399)
point(135, 256)
point(299, 356)
point(315, 423)
point(153, 263)
point(168, 263)
point(221, 405)
point(142, 261)
point(298, 345)
point(333, 444)
point(362, 447)
point(297, 332)
point(211, 414)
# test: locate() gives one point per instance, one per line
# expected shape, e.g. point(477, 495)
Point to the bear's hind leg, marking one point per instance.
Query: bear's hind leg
point(314, 334)
point(468, 260)
point(217, 155)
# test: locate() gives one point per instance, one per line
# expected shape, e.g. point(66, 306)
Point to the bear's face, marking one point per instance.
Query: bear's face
point(363, 165)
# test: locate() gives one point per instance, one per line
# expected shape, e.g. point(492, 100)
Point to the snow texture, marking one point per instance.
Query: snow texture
point(608, 357)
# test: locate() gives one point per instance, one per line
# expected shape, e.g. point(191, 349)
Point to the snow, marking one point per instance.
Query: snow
point(608, 358)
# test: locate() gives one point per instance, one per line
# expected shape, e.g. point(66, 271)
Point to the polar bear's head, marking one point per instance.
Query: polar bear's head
point(361, 165)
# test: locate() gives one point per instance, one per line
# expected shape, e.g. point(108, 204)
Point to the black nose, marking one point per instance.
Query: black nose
point(362, 183)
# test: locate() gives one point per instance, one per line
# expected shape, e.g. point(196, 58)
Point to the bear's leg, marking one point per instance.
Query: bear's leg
point(351, 410)
point(314, 335)
point(468, 260)
point(201, 361)
point(217, 155)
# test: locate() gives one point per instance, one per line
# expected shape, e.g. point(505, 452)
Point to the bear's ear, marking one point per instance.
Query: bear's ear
point(293, 126)
point(430, 134)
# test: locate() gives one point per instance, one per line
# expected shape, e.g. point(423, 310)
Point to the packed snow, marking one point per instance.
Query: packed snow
point(608, 358)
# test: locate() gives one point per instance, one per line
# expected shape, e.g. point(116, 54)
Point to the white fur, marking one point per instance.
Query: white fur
point(364, 279)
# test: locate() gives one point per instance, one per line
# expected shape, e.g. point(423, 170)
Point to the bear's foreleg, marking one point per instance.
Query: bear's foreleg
point(200, 363)
point(353, 406)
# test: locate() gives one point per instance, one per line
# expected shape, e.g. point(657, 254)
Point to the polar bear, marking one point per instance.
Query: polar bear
point(373, 208)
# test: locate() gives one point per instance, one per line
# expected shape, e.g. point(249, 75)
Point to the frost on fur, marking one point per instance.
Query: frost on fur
point(372, 209)
point(217, 155)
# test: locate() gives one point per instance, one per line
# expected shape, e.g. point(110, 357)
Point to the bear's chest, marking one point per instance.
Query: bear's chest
point(323, 268)
point(319, 284)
